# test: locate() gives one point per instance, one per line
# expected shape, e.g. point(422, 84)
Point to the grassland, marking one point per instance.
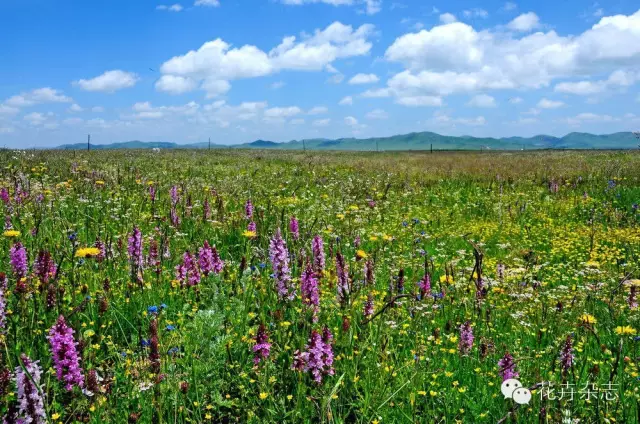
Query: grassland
point(532, 256)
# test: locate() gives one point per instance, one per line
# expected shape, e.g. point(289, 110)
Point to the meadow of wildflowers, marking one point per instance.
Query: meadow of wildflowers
point(258, 287)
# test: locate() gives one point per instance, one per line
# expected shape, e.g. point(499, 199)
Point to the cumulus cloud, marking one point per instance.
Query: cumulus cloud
point(364, 79)
point(447, 18)
point(218, 61)
point(346, 101)
point(456, 58)
point(321, 122)
point(35, 97)
point(351, 121)
point(318, 110)
point(443, 119)
point(377, 114)
point(525, 22)
point(109, 82)
point(210, 3)
point(175, 84)
point(482, 100)
point(172, 8)
point(144, 110)
point(371, 7)
point(617, 79)
point(475, 13)
point(549, 104)
point(75, 108)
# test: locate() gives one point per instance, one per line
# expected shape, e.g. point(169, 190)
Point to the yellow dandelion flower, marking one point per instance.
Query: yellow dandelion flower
point(264, 395)
point(85, 252)
point(627, 330)
point(249, 234)
point(588, 319)
point(11, 233)
point(361, 254)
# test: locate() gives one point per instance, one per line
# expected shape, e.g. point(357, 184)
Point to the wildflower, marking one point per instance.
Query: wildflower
point(209, 260)
point(566, 356)
point(507, 367)
point(175, 197)
point(29, 390)
point(309, 290)
point(317, 248)
point(152, 193)
point(262, 347)
point(361, 254)
point(500, 271)
point(263, 395)
point(425, 286)
point(44, 267)
point(625, 331)
point(64, 354)
point(343, 279)
point(4, 195)
point(99, 244)
point(294, 228)
point(587, 319)
point(368, 306)
point(466, 338)
point(248, 209)
point(317, 359)
point(134, 249)
point(3, 310)
point(87, 252)
point(369, 279)
point(19, 260)
point(187, 272)
point(154, 350)
point(11, 233)
point(279, 256)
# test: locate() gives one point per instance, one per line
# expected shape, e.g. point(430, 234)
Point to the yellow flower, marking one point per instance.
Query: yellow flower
point(55, 416)
point(11, 233)
point(263, 395)
point(446, 279)
point(361, 254)
point(87, 252)
point(249, 234)
point(625, 331)
point(588, 319)
point(99, 182)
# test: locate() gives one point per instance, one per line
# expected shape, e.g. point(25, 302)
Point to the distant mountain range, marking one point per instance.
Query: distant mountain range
point(412, 141)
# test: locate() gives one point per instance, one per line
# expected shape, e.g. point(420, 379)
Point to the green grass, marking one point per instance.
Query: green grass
point(567, 253)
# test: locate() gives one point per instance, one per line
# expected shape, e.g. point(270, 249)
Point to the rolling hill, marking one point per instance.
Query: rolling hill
point(411, 141)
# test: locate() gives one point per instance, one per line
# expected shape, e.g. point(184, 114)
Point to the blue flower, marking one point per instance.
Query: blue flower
point(163, 306)
point(144, 342)
point(152, 309)
point(170, 328)
point(173, 350)
point(262, 265)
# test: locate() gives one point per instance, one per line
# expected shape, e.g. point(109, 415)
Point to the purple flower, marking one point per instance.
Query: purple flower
point(3, 310)
point(500, 271)
point(252, 227)
point(369, 278)
point(152, 193)
point(19, 260)
point(187, 272)
point(425, 286)
point(342, 270)
point(248, 210)
point(175, 197)
point(64, 354)
point(135, 249)
point(294, 228)
point(466, 338)
point(262, 348)
point(44, 267)
point(209, 260)
point(99, 244)
point(317, 359)
point(567, 356)
point(317, 248)
point(29, 389)
point(279, 256)
point(174, 217)
point(206, 210)
point(507, 367)
point(309, 290)
point(4, 195)
point(368, 306)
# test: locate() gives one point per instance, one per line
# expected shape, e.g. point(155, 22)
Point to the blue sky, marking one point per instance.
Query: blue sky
point(236, 71)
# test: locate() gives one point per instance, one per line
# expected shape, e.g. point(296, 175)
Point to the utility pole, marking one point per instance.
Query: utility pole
point(88, 142)
point(431, 147)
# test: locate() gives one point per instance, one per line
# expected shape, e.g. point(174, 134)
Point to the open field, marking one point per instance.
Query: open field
point(282, 286)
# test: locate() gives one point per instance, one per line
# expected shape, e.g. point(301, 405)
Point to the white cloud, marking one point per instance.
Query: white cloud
point(109, 82)
point(549, 104)
point(173, 8)
point(475, 13)
point(525, 22)
point(346, 101)
point(377, 93)
point(364, 79)
point(278, 85)
point(494, 60)
point(8, 110)
point(34, 97)
point(618, 79)
point(588, 117)
point(442, 119)
point(297, 121)
point(318, 110)
point(371, 7)
point(35, 118)
point(175, 84)
point(321, 122)
point(74, 108)
point(377, 114)
point(416, 101)
point(482, 100)
point(282, 112)
point(215, 87)
point(217, 61)
point(97, 109)
point(447, 18)
point(508, 6)
point(144, 110)
point(211, 3)
point(515, 100)
point(336, 79)
point(351, 121)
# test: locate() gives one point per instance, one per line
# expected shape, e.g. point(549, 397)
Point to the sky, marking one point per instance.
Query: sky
point(241, 70)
